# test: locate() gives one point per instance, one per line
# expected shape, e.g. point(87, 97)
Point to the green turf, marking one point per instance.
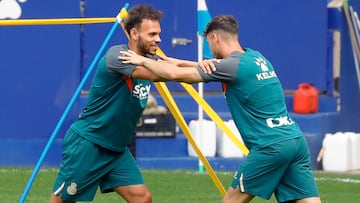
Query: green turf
point(170, 186)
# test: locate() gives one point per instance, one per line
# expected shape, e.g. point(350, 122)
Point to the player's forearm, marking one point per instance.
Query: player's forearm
point(184, 63)
point(161, 69)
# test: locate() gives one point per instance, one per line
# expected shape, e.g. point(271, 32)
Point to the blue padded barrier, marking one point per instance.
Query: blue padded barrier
point(26, 152)
point(39, 71)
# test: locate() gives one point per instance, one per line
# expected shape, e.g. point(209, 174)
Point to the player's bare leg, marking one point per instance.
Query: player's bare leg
point(57, 199)
point(134, 193)
point(235, 196)
point(309, 200)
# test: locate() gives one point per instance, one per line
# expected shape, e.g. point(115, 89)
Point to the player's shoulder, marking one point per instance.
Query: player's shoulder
point(252, 53)
point(232, 59)
point(117, 48)
point(114, 52)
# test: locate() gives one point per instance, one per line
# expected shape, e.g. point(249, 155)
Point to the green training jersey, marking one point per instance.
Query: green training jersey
point(115, 103)
point(255, 98)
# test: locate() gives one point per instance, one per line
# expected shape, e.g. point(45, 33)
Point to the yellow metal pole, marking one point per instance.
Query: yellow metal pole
point(165, 93)
point(56, 21)
point(215, 117)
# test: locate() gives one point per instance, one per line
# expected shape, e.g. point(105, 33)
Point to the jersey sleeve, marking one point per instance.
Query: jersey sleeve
point(115, 65)
point(226, 69)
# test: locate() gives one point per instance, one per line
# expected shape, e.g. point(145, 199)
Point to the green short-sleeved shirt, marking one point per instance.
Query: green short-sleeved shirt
point(115, 103)
point(255, 98)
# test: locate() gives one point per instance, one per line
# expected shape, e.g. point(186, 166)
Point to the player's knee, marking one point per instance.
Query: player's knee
point(142, 196)
point(234, 195)
point(135, 193)
point(147, 197)
point(56, 199)
point(229, 197)
point(309, 200)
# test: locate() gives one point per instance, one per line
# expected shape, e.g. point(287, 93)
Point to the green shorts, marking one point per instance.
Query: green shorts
point(86, 166)
point(282, 168)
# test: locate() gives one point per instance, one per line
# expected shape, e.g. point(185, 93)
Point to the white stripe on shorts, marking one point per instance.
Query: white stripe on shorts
point(241, 183)
point(57, 192)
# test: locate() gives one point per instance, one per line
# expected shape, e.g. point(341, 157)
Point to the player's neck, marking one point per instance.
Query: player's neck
point(132, 46)
point(231, 47)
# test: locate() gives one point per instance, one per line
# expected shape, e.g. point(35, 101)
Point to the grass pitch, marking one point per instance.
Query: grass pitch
point(177, 186)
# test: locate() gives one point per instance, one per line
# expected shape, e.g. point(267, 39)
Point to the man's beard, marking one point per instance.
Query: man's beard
point(142, 48)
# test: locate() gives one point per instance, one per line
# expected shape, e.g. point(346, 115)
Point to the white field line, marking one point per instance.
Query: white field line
point(4, 170)
point(344, 180)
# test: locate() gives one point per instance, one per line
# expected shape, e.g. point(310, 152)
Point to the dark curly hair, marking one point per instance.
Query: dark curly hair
point(138, 13)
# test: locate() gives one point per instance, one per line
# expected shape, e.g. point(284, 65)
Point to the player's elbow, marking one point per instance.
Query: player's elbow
point(163, 77)
point(170, 75)
point(156, 78)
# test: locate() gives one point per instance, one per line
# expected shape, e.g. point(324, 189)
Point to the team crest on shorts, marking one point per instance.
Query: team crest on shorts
point(71, 189)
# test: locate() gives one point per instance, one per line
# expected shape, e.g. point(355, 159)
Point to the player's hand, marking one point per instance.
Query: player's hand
point(163, 57)
point(131, 57)
point(170, 60)
point(208, 65)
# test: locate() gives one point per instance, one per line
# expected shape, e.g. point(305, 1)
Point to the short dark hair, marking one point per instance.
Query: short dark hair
point(226, 23)
point(138, 13)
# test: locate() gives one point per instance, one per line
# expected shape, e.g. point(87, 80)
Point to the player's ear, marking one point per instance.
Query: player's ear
point(134, 34)
point(215, 36)
point(212, 36)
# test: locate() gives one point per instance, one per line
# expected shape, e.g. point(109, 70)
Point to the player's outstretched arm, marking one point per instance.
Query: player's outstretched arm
point(167, 71)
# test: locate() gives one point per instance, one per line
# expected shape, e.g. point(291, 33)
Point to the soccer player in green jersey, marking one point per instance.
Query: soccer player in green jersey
point(279, 160)
point(95, 152)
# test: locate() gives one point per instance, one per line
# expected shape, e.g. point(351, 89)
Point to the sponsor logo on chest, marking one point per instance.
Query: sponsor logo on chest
point(141, 91)
point(278, 122)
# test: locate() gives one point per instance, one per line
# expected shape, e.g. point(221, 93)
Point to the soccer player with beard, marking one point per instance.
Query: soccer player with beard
point(95, 152)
